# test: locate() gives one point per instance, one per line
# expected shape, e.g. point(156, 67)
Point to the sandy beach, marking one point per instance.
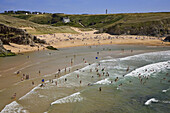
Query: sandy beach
point(86, 38)
point(48, 62)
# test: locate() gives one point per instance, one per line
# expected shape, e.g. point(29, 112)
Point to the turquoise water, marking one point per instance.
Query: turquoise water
point(142, 86)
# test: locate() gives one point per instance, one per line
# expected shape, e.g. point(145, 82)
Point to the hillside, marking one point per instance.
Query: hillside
point(32, 28)
point(19, 31)
point(154, 24)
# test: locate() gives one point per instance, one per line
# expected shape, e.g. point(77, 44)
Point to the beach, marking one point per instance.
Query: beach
point(86, 38)
point(45, 64)
point(23, 74)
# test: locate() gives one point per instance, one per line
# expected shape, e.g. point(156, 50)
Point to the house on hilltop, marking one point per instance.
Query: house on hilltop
point(66, 20)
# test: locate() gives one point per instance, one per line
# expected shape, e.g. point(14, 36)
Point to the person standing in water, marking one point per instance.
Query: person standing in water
point(71, 62)
point(100, 89)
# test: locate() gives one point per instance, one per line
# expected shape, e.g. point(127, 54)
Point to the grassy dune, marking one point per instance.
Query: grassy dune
point(31, 27)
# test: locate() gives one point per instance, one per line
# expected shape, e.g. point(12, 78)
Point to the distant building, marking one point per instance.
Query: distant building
point(26, 13)
point(66, 20)
point(106, 11)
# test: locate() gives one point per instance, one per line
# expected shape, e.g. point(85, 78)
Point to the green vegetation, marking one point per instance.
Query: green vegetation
point(51, 48)
point(31, 27)
point(7, 54)
point(93, 21)
point(130, 23)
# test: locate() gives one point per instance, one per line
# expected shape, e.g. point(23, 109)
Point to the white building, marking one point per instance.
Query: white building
point(66, 20)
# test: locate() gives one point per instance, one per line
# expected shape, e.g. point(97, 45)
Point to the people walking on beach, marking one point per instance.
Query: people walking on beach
point(27, 77)
point(39, 72)
point(14, 96)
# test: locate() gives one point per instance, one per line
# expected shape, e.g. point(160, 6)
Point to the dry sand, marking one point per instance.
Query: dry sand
point(86, 38)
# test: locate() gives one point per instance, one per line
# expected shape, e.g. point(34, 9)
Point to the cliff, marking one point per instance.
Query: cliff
point(4, 52)
point(14, 35)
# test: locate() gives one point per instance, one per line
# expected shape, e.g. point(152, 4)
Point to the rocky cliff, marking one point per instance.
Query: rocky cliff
point(14, 35)
point(4, 52)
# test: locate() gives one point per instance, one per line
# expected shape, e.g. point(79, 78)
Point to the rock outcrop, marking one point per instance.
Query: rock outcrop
point(14, 35)
point(4, 52)
point(167, 39)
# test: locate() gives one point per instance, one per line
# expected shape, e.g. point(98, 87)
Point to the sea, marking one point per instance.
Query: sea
point(117, 79)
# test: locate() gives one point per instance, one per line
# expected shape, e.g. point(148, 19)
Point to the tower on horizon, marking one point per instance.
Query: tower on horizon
point(106, 11)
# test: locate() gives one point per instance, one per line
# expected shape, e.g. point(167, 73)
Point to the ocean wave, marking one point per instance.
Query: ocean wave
point(14, 107)
point(143, 56)
point(104, 81)
point(149, 69)
point(69, 99)
point(164, 91)
point(148, 102)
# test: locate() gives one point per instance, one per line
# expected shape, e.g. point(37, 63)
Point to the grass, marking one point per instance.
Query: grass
point(8, 54)
point(95, 21)
point(31, 27)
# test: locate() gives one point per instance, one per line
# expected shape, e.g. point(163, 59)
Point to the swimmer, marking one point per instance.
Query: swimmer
point(32, 82)
point(65, 79)
point(90, 70)
point(65, 70)
point(80, 81)
point(127, 69)
point(77, 75)
point(100, 89)
point(120, 84)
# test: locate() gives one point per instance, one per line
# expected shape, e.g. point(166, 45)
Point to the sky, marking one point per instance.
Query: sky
point(86, 6)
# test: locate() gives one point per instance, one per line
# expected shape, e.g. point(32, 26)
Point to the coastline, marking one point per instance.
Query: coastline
point(61, 61)
point(86, 38)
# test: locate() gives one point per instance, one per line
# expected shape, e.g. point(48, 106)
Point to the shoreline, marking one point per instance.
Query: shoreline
point(26, 84)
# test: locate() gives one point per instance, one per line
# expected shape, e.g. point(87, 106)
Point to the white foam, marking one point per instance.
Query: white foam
point(141, 56)
point(164, 91)
point(42, 96)
point(148, 102)
point(31, 92)
point(14, 107)
point(69, 99)
point(104, 81)
point(151, 68)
